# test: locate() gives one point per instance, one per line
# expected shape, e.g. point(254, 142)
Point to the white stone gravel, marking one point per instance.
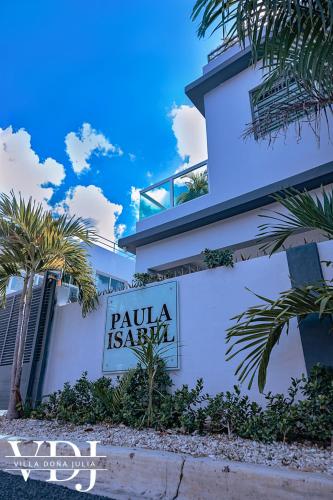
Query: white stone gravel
point(308, 458)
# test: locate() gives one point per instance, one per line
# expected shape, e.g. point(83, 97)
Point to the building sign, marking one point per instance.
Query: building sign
point(133, 314)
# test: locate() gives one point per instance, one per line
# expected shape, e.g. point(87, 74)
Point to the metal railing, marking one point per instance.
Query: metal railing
point(216, 52)
point(175, 190)
point(112, 245)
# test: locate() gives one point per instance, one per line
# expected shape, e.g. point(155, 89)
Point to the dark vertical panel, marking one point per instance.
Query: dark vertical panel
point(316, 334)
point(42, 302)
point(41, 340)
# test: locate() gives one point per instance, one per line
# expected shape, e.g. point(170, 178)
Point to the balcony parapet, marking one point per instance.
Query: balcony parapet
point(175, 190)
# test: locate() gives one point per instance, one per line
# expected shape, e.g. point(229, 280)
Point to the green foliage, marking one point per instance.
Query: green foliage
point(316, 409)
point(33, 241)
point(230, 412)
point(133, 407)
point(284, 418)
point(306, 413)
point(197, 185)
point(142, 279)
point(258, 329)
point(292, 39)
point(124, 401)
point(305, 212)
point(183, 409)
point(84, 402)
point(217, 258)
point(149, 356)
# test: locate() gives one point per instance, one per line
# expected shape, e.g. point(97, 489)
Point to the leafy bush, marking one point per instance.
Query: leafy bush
point(284, 418)
point(217, 258)
point(84, 402)
point(142, 279)
point(134, 405)
point(315, 411)
point(231, 412)
point(183, 409)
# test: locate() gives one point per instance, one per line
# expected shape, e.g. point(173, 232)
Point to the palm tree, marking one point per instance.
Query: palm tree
point(292, 39)
point(33, 242)
point(259, 328)
point(196, 186)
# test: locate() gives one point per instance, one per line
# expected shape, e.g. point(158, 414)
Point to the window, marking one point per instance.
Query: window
point(117, 285)
point(68, 282)
point(105, 282)
point(16, 282)
point(267, 112)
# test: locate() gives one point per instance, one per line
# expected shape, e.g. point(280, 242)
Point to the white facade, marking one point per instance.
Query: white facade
point(236, 167)
point(207, 301)
point(242, 176)
point(112, 263)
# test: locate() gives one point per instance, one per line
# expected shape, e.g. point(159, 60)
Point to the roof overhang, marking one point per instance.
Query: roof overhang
point(231, 67)
point(310, 179)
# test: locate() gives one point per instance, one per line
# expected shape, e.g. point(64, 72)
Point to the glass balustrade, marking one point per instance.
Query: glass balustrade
point(178, 189)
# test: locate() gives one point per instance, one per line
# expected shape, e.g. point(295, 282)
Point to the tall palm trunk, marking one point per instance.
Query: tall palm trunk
point(15, 399)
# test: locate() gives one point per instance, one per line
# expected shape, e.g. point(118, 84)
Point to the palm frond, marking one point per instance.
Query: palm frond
point(305, 211)
point(292, 39)
point(197, 185)
point(32, 240)
point(259, 328)
point(8, 268)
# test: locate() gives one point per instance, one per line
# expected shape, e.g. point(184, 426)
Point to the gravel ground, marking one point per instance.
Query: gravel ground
point(308, 458)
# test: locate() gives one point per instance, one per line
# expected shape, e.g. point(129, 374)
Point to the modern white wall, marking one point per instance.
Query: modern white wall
point(237, 166)
point(116, 264)
point(229, 232)
point(207, 301)
point(224, 233)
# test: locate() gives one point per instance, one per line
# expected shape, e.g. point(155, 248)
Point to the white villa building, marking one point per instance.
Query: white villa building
point(242, 174)
point(197, 304)
point(242, 177)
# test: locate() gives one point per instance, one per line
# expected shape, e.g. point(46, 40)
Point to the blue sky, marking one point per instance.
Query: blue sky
point(118, 67)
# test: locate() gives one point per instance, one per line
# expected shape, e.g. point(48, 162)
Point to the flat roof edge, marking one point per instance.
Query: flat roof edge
point(196, 90)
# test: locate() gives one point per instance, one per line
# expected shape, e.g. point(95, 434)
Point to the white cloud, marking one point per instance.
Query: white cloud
point(89, 202)
point(135, 201)
point(120, 229)
point(22, 170)
point(189, 128)
point(82, 145)
point(132, 156)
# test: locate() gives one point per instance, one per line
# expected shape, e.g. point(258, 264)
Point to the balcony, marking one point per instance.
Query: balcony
point(175, 190)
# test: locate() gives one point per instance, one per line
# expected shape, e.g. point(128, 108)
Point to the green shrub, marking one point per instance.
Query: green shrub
point(134, 404)
point(142, 279)
point(81, 403)
point(306, 413)
point(316, 409)
point(230, 412)
point(217, 258)
point(182, 409)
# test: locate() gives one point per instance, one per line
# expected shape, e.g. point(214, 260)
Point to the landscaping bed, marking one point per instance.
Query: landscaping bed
point(303, 457)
